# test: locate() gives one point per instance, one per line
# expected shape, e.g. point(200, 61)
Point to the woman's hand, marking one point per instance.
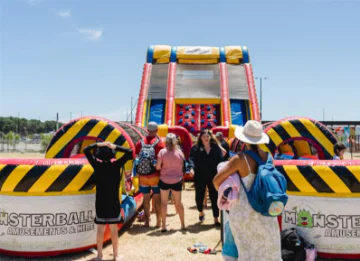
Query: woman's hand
point(111, 146)
point(103, 144)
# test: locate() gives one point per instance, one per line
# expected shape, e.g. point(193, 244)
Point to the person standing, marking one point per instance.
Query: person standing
point(205, 155)
point(107, 180)
point(171, 164)
point(147, 151)
point(220, 137)
point(257, 237)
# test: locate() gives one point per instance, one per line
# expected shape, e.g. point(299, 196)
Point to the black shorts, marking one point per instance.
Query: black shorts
point(174, 187)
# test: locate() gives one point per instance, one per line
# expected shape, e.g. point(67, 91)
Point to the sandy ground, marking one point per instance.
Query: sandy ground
point(139, 243)
point(22, 155)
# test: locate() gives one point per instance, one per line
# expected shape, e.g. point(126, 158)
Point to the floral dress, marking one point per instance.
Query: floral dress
point(257, 237)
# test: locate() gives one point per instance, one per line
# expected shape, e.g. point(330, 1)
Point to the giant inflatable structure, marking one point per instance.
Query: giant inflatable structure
point(187, 89)
point(47, 205)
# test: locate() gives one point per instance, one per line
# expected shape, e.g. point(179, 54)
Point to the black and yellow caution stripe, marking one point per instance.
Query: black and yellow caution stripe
point(321, 178)
point(293, 128)
point(85, 127)
point(46, 179)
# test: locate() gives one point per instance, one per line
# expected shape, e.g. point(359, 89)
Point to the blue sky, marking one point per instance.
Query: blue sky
point(85, 56)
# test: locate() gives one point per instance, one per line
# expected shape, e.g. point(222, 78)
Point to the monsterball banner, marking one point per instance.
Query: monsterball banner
point(50, 223)
point(331, 224)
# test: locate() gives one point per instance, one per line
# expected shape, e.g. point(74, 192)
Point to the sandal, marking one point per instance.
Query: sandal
point(163, 230)
point(217, 224)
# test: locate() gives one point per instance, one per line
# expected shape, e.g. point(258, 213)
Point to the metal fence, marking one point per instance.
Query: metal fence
point(23, 146)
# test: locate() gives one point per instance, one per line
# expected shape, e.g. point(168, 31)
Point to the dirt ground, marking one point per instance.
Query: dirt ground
point(139, 243)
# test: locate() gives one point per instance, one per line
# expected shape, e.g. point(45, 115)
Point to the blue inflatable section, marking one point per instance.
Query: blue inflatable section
point(238, 112)
point(129, 206)
point(157, 111)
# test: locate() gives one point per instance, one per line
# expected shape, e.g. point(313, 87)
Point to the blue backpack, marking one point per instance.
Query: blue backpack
point(268, 192)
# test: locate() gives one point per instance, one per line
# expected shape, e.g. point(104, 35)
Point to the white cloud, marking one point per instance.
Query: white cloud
point(92, 34)
point(64, 14)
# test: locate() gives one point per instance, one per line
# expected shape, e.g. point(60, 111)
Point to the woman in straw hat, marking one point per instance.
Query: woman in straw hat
point(257, 237)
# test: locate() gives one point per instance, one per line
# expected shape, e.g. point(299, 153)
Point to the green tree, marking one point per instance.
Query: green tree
point(45, 141)
point(16, 140)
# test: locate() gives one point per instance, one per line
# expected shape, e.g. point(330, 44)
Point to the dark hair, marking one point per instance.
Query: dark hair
point(213, 139)
point(104, 153)
point(255, 149)
point(338, 148)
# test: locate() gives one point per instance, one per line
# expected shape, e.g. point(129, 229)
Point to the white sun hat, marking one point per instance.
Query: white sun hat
point(252, 133)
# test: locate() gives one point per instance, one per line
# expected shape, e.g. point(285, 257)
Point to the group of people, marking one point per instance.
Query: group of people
point(160, 167)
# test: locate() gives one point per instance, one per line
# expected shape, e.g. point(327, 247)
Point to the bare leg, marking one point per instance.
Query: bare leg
point(164, 203)
point(114, 240)
point(179, 207)
point(100, 240)
point(153, 206)
point(147, 209)
point(158, 209)
point(205, 198)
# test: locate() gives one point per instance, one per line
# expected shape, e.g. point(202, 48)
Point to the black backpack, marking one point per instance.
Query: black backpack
point(147, 157)
point(292, 246)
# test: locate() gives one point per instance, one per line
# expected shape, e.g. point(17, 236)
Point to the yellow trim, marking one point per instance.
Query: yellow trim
point(173, 120)
point(232, 131)
point(162, 52)
point(290, 129)
point(46, 194)
point(162, 60)
point(97, 129)
point(66, 138)
point(233, 54)
point(298, 179)
point(114, 134)
point(163, 130)
point(355, 170)
point(197, 101)
point(222, 114)
point(331, 179)
point(324, 195)
point(274, 137)
point(15, 177)
point(2, 166)
point(47, 178)
point(317, 133)
point(144, 114)
point(188, 61)
point(264, 148)
point(147, 112)
point(80, 179)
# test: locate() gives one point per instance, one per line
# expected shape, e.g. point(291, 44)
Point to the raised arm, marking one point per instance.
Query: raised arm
point(90, 157)
point(127, 154)
point(230, 168)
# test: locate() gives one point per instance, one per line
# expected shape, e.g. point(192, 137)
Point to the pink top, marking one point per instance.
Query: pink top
point(171, 165)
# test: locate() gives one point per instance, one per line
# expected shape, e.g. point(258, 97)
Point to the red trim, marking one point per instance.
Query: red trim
point(70, 147)
point(44, 162)
point(252, 92)
point(222, 129)
point(185, 138)
point(107, 235)
point(143, 93)
point(329, 163)
point(345, 256)
point(312, 142)
point(224, 85)
point(170, 95)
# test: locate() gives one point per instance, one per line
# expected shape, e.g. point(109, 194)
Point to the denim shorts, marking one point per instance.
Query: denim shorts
point(147, 189)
